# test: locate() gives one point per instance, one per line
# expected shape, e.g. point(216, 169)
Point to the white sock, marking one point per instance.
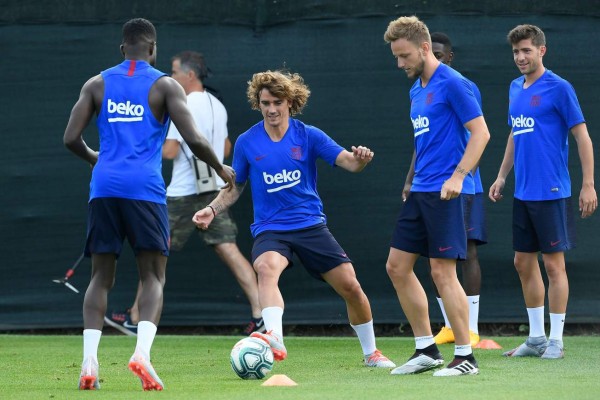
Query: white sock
point(273, 317)
point(446, 322)
point(422, 342)
point(91, 341)
point(536, 321)
point(366, 337)
point(145, 336)
point(557, 324)
point(473, 313)
point(463, 350)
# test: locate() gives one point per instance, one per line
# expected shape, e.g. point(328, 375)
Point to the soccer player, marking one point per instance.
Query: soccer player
point(132, 102)
point(543, 109)
point(444, 109)
point(278, 155)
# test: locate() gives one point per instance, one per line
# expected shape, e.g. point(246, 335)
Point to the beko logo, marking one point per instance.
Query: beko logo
point(525, 124)
point(285, 177)
point(127, 112)
point(420, 125)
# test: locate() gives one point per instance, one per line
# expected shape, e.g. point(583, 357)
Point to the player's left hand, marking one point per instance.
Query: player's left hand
point(362, 154)
point(203, 218)
point(588, 201)
point(451, 188)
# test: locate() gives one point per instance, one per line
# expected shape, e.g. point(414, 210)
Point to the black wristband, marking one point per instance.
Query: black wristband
point(213, 210)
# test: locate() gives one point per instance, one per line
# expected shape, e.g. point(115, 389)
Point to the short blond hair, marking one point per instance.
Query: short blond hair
point(410, 28)
point(283, 85)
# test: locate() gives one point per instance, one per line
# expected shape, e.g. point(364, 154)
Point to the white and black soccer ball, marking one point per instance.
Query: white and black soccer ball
point(251, 358)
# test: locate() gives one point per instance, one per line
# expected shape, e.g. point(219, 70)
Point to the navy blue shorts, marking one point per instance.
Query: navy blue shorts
point(547, 226)
point(315, 246)
point(431, 227)
point(110, 220)
point(475, 218)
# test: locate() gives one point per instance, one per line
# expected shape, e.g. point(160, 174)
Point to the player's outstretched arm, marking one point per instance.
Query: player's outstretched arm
point(356, 160)
point(495, 192)
point(588, 200)
point(221, 203)
point(81, 114)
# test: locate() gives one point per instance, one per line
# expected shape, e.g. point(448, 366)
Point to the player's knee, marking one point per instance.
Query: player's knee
point(264, 269)
point(394, 270)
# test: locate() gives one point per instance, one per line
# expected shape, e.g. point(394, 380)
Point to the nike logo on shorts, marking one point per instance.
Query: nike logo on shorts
point(444, 248)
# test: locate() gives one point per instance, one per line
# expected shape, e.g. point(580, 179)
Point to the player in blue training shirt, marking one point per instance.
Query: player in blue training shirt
point(444, 109)
point(278, 155)
point(133, 102)
point(543, 108)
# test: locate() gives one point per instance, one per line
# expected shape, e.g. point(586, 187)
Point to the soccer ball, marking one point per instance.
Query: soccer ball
point(251, 358)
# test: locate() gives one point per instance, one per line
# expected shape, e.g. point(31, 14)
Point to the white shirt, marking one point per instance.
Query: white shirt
point(210, 117)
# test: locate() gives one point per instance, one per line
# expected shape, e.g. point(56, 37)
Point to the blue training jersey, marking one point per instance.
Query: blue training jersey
point(438, 113)
point(130, 159)
point(540, 118)
point(283, 175)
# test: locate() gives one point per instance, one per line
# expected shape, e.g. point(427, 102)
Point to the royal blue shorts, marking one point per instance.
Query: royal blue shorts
point(547, 226)
point(475, 217)
point(431, 227)
point(110, 220)
point(315, 246)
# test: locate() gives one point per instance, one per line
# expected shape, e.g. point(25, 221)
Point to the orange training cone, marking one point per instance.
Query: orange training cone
point(487, 344)
point(279, 380)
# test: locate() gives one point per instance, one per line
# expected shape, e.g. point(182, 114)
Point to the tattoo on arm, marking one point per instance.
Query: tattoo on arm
point(227, 198)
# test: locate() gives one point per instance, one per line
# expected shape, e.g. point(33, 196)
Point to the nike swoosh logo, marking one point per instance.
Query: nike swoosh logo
point(470, 229)
point(128, 325)
point(444, 248)
point(475, 302)
point(260, 157)
point(554, 243)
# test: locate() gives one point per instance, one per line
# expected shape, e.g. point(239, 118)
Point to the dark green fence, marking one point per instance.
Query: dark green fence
point(358, 97)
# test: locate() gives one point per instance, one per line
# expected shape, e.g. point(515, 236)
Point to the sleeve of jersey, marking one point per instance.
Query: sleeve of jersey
point(569, 106)
point(240, 162)
point(324, 146)
point(462, 100)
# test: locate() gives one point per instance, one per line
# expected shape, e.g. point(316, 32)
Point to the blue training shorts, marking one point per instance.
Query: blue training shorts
point(315, 246)
point(431, 227)
point(475, 218)
point(547, 226)
point(112, 219)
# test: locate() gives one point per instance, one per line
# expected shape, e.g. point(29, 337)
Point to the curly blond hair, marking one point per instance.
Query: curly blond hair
point(281, 84)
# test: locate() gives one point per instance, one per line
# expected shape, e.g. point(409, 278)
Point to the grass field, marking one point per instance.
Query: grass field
point(194, 367)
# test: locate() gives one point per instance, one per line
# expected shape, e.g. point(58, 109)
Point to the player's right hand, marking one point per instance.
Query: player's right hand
point(228, 175)
point(203, 218)
point(495, 193)
point(406, 191)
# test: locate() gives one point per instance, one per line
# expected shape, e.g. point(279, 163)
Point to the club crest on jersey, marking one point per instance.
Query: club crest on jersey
point(285, 179)
point(429, 98)
point(124, 112)
point(535, 101)
point(296, 153)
